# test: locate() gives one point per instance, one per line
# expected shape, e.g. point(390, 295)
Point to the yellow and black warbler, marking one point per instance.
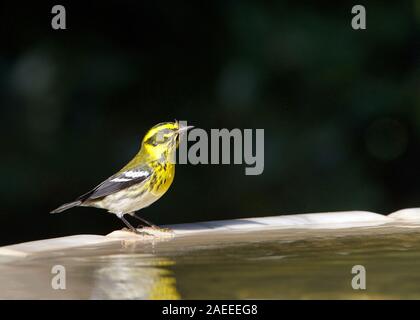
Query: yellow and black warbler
point(142, 181)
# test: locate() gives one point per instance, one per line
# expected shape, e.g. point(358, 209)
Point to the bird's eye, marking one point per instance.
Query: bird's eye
point(158, 138)
point(152, 141)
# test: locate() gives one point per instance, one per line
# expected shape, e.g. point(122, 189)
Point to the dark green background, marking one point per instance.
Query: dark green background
point(340, 108)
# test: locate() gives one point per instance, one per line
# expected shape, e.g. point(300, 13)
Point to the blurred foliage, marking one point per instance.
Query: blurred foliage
point(340, 108)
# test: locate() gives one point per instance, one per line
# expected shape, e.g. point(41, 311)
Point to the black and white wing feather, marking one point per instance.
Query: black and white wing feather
point(118, 182)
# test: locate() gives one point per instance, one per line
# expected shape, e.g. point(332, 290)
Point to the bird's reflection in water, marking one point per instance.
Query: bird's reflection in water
point(134, 276)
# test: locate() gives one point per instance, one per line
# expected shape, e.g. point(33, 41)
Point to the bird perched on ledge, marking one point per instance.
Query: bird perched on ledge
point(142, 181)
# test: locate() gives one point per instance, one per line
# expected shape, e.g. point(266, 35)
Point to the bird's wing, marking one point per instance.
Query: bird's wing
point(118, 182)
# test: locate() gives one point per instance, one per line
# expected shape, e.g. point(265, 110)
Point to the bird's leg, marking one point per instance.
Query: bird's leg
point(150, 224)
point(145, 221)
point(130, 226)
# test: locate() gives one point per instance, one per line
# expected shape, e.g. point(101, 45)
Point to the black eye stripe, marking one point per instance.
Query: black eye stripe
point(152, 141)
point(159, 137)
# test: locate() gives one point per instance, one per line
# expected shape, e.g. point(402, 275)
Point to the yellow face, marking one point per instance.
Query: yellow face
point(162, 139)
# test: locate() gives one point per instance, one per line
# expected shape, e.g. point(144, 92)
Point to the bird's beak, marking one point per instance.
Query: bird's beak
point(183, 129)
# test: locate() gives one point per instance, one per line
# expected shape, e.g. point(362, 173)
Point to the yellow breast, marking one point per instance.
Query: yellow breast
point(162, 178)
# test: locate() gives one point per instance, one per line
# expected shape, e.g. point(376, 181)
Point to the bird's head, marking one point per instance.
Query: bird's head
point(163, 139)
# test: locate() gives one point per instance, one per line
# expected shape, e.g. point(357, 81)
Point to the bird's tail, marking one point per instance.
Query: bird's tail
point(67, 206)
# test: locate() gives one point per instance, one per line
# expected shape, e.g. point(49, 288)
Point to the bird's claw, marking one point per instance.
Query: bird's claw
point(140, 233)
point(154, 228)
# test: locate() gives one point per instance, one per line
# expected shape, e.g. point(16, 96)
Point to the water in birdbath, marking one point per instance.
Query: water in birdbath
point(274, 264)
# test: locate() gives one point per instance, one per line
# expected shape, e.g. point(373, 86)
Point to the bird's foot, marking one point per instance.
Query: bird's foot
point(156, 228)
point(162, 229)
point(140, 233)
